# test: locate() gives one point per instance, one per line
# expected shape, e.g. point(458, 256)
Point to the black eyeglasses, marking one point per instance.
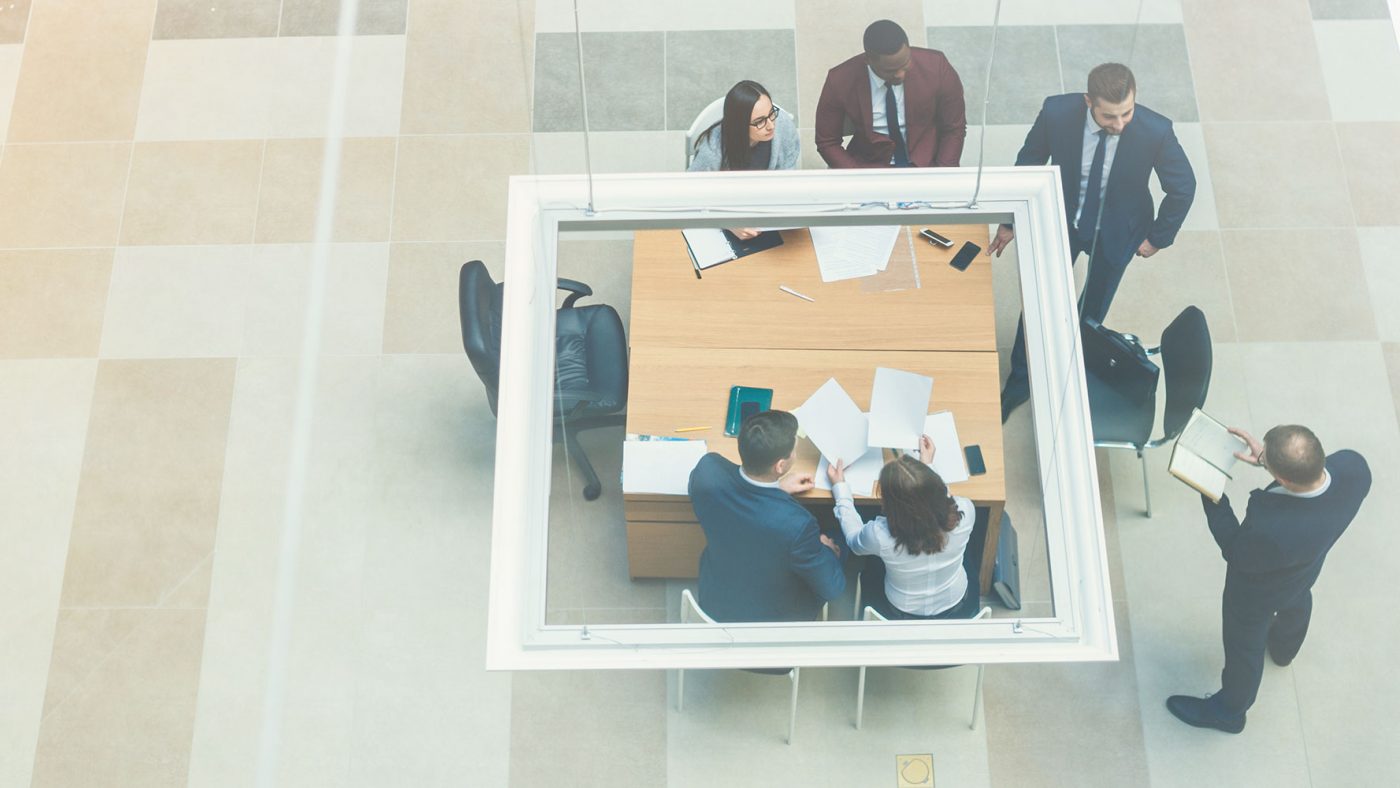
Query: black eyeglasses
point(771, 117)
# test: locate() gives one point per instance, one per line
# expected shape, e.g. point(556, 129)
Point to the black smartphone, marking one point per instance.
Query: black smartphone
point(976, 466)
point(936, 239)
point(747, 409)
point(965, 256)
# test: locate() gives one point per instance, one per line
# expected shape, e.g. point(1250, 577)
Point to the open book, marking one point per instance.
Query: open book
point(1204, 454)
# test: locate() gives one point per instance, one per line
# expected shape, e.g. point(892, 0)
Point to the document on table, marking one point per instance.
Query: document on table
point(851, 252)
point(709, 246)
point(834, 423)
point(948, 460)
point(898, 402)
point(661, 466)
point(861, 475)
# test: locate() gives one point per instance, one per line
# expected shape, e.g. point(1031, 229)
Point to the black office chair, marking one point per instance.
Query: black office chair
point(1124, 421)
point(590, 365)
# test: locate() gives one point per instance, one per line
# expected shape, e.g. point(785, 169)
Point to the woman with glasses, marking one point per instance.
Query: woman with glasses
point(754, 134)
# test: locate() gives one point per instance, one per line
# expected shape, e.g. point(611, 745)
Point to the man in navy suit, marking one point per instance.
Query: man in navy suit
point(1273, 558)
point(765, 559)
point(1103, 137)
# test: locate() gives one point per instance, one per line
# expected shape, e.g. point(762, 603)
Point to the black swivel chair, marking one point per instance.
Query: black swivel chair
point(590, 365)
point(1123, 423)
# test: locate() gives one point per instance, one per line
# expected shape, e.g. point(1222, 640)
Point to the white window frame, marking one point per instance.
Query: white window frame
point(540, 207)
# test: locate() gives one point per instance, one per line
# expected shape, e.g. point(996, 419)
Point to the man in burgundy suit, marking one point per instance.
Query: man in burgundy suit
point(917, 87)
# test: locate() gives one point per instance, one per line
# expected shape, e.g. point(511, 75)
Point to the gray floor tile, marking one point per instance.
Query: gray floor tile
point(1298, 285)
point(1157, 56)
point(625, 74)
point(1391, 351)
point(1353, 54)
point(14, 18)
point(1025, 72)
point(321, 17)
point(1378, 245)
point(1350, 9)
point(202, 19)
point(702, 66)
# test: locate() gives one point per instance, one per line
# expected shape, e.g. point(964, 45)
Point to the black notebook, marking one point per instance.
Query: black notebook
point(711, 247)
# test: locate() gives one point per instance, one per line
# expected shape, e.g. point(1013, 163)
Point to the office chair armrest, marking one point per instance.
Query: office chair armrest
point(576, 290)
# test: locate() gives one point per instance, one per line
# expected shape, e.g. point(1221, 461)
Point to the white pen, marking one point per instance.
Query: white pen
point(790, 291)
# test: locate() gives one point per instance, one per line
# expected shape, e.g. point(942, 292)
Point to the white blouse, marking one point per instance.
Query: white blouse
point(920, 585)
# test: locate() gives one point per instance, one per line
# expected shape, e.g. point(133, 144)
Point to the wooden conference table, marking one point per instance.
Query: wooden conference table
point(691, 339)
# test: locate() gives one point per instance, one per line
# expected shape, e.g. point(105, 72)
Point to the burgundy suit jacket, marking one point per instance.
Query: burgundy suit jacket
point(935, 118)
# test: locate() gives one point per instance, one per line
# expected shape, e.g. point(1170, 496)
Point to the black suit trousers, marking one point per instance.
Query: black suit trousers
point(1247, 631)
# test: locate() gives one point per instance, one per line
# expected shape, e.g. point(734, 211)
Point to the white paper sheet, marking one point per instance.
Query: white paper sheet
point(948, 460)
point(862, 475)
point(659, 466)
point(851, 252)
point(834, 423)
point(708, 246)
point(898, 402)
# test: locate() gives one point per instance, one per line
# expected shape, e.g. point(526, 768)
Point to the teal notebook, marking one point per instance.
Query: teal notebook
point(745, 401)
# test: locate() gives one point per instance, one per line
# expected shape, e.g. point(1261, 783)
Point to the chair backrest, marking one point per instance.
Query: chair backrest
point(690, 609)
point(1186, 362)
point(479, 301)
point(871, 614)
point(708, 117)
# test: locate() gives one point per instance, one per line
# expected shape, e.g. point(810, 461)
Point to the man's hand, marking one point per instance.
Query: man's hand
point(925, 449)
point(797, 483)
point(836, 473)
point(1004, 236)
point(745, 233)
point(829, 542)
point(1146, 249)
point(1254, 451)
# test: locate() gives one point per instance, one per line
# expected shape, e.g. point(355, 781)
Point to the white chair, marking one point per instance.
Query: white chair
point(708, 117)
point(871, 614)
point(690, 610)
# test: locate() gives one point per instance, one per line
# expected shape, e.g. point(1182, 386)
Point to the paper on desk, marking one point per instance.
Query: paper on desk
point(659, 466)
point(898, 402)
point(708, 246)
point(834, 422)
point(948, 460)
point(861, 475)
point(851, 252)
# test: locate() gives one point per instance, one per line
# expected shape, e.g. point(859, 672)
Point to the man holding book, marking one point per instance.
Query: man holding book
point(1274, 556)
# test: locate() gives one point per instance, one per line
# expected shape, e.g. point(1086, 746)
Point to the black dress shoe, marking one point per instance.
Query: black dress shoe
point(1013, 395)
point(1277, 658)
point(1202, 714)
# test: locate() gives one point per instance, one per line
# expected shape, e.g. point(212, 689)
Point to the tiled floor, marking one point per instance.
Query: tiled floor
point(161, 177)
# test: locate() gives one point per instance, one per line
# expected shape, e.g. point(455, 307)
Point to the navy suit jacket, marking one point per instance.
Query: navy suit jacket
point(1147, 143)
point(1277, 552)
point(763, 558)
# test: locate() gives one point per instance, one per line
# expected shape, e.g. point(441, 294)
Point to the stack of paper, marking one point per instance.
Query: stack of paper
point(851, 252)
point(861, 475)
point(834, 423)
point(948, 460)
point(659, 466)
point(898, 402)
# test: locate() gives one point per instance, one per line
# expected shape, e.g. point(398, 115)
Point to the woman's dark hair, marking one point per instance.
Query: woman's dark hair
point(918, 509)
point(734, 128)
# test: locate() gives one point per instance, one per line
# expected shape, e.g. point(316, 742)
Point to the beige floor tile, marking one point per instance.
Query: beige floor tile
point(942, 13)
point(268, 87)
point(449, 48)
point(562, 152)
point(62, 195)
point(14, 18)
point(1255, 60)
point(9, 78)
point(81, 78)
point(177, 302)
point(148, 500)
point(52, 301)
point(421, 313)
point(275, 302)
point(192, 193)
point(1391, 351)
point(200, 19)
point(288, 201)
point(129, 722)
point(322, 17)
point(1378, 245)
point(1156, 289)
point(1372, 170)
point(1311, 191)
point(829, 32)
point(1202, 215)
point(454, 188)
point(1353, 53)
point(46, 406)
point(1297, 285)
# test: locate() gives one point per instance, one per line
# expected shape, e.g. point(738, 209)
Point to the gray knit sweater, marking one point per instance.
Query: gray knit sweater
point(785, 155)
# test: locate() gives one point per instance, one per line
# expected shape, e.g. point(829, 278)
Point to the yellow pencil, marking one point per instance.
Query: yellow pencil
point(690, 429)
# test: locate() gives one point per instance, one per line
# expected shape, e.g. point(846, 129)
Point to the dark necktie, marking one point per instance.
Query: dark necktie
point(901, 153)
point(1090, 213)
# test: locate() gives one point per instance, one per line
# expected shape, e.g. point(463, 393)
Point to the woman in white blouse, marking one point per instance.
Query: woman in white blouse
point(919, 540)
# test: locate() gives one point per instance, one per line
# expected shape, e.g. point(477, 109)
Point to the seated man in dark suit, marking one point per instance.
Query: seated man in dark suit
point(1272, 560)
point(765, 559)
point(915, 87)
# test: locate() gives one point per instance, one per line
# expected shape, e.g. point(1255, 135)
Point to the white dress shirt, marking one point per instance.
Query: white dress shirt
point(878, 120)
point(1322, 488)
point(1091, 144)
point(745, 476)
point(921, 585)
